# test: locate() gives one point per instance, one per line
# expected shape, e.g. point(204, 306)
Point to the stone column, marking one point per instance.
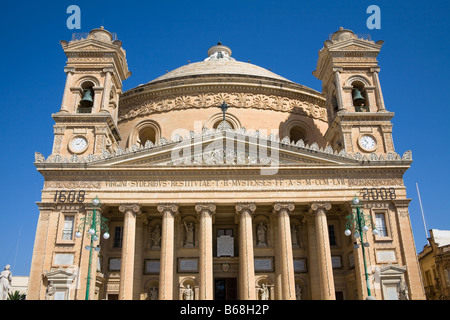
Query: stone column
point(168, 211)
point(107, 88)
point(128, 250)
point(282, 210)
point(70, 71)
point(246, 258)
point(379, 94)
point(323, 251)
point(338, 87)
point(206, 212)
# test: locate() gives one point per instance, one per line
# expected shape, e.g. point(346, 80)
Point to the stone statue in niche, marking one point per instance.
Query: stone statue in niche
point(153, 294)
point(264, 292)
point(261, 235)
point(189, 242)
point(188, 293)
point(155, 237)
point(298, 292)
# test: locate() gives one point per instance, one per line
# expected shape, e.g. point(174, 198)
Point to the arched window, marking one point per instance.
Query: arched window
point(359, 97)
point(87, 98)
point(217, 124)
point(297, 133)
point(146, 134)
point(145, 131)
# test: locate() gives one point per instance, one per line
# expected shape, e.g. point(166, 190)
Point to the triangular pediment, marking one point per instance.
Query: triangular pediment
point(213, 147)
point(225, 148)
point(88, 45)
point(355, 44)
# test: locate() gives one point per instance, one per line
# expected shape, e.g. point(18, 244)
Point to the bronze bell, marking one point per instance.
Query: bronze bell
point(87, 100)
point(358, 99)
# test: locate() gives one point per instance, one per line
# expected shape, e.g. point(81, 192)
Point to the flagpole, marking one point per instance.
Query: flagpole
point(421, 209)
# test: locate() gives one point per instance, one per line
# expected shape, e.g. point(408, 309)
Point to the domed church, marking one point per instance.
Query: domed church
point(221, 180)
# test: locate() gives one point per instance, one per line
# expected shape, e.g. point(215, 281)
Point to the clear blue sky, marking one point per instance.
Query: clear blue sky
point(282, 35)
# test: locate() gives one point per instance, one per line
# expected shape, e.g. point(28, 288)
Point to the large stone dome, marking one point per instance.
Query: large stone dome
point(188, 98)
point(219, 62)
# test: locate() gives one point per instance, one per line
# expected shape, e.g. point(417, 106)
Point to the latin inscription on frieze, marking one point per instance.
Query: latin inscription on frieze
point(226, 183)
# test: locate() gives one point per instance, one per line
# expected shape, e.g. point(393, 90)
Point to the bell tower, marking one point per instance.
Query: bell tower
point(87, 121)
point(348, 69)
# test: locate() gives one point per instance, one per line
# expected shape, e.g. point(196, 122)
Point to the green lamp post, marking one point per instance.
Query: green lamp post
point(96, 224)
point(361, 224)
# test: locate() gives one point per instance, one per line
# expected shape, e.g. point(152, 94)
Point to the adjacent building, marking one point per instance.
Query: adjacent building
point(434, 263)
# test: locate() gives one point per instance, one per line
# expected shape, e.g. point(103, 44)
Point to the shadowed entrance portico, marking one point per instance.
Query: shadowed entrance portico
point(225, 289)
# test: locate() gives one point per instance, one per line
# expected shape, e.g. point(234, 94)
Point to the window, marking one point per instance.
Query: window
point(118, 233)
point(380, 223)
point(147, 134)
point(227, 125)
point(224, 232)
point(67, 233)
point(359, 97)
point(87, 98)
point(297, 133)
point(332, 235)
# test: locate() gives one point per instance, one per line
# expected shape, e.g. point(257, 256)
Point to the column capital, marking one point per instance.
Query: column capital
point(319, 206)
point(130, 207)
point(279, 207)
point(242, 207)
point(205, 206)
point(171, 207)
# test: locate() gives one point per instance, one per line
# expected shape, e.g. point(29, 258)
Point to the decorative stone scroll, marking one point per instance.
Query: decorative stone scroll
point(280, 206)
point(245, 207)
point(205, 207)
point(168, 207)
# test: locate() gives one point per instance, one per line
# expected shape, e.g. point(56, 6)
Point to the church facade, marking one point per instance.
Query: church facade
point(223, 180)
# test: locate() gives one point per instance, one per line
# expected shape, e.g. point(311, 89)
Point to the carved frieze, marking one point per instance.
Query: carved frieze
point(235, 100)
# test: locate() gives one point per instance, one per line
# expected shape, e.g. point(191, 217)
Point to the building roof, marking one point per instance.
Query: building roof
point(441, 237)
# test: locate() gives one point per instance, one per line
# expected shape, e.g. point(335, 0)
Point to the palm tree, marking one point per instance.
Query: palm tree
point(16, 295)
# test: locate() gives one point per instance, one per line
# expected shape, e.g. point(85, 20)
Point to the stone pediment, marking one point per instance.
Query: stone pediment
point(227, 147)
point(355, 44)
point(88, 45)
point(213, 147)
point(220, 151)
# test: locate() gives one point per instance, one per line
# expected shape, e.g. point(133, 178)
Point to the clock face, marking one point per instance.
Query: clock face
point(79, 144)
point(367, 143)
